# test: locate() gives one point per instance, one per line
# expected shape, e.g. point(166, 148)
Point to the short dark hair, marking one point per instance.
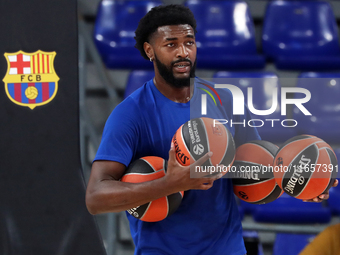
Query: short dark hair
point(163, 15)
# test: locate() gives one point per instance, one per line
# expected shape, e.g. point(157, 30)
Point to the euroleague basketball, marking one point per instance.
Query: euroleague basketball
point(253, 178)
point(147, 169)
point(305, 167)
point(198, 136)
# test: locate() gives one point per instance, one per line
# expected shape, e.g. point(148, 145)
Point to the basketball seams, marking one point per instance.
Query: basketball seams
point(330, 179)
point(226, 147)
point(167, 206)
point(149, 164)
point(295, 141)
point(311, 176)
point(165, 165)
point(172, 202)
point(290, 163)
point(333, 159)
point(255, 183)
point(303, 156)
point(249, 162)
point(259, 190)
point(186, 146)
point(206, 135)
point(273, 193)
point(146, 210)
point(198, 136)
point(320, 141)
point(323, 148)
point(144, 173)
point(230, 148)
point(269, 194)
point(262, 147)
point(244, 161)
point(157, 209)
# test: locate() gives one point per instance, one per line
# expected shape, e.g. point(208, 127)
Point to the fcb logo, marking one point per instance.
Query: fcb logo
point(31, 79)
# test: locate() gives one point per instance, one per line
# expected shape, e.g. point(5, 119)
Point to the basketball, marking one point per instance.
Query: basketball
point(305, 167)
point(197, 137)
point(148, 169)
point(253, 178)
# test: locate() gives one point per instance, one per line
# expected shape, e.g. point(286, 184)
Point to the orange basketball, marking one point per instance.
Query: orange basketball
point(197, 137)
point(252, 172)
point(148, 169)
point(305, 167)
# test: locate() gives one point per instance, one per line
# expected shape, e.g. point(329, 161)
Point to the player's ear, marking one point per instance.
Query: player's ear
point(148, 50)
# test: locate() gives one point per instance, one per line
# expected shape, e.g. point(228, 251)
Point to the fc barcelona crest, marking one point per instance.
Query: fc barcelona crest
point(31, 79)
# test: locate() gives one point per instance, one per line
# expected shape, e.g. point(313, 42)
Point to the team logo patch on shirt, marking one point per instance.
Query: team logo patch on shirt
point(31, 79)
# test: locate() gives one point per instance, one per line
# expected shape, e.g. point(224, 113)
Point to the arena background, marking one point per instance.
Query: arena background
point(99, 88)
point(47, 152)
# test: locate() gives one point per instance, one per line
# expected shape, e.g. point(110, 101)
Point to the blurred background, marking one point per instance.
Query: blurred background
point(289, 43)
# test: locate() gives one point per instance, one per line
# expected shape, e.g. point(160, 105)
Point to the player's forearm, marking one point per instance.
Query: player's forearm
point(116, 196)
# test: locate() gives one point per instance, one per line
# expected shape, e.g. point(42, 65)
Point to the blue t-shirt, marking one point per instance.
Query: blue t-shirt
point(207, 221)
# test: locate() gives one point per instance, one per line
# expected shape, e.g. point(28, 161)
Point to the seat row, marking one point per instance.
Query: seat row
point(289, 210)
point(296, 35)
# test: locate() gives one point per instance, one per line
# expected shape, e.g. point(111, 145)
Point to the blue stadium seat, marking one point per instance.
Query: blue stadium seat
point(291, 244)
point(226, 37)
point(287, 209)
point(136, 80)
point(337, 152)
point(262, 84)
point(301, 35)
point(324, 106)
point(333, 200)
point(114, 33)
point(248, 208)
point(241, 212)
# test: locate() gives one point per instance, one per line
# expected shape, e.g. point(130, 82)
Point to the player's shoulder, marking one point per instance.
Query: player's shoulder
point(140, 95)
point(136, 96)
point(128, 105)
point(131, 106)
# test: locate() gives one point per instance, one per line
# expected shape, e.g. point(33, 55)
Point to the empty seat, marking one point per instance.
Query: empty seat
point(324, 106)
point(241, 212)
point(301, 35)
point(333, 200)
point(225, 35)
point(248, 208)
point(337, 152)
point(114, 32)
point(136, 80)
point(262, 84)
point(287, 209)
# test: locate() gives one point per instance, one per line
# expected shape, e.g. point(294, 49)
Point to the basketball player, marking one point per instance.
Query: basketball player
point(207, 221)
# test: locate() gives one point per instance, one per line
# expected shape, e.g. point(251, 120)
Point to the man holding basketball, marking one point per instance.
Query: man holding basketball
point(207, 221)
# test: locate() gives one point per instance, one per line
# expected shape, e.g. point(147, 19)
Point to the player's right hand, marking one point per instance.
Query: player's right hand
point(179, 176)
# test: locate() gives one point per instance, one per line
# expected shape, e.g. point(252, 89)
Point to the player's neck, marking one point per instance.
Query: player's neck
point(178, 95)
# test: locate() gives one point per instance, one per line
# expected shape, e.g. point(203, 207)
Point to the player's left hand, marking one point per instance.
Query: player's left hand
point(323, 196)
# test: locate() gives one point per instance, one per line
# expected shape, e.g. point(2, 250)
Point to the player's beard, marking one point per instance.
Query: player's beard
point(168, 75)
